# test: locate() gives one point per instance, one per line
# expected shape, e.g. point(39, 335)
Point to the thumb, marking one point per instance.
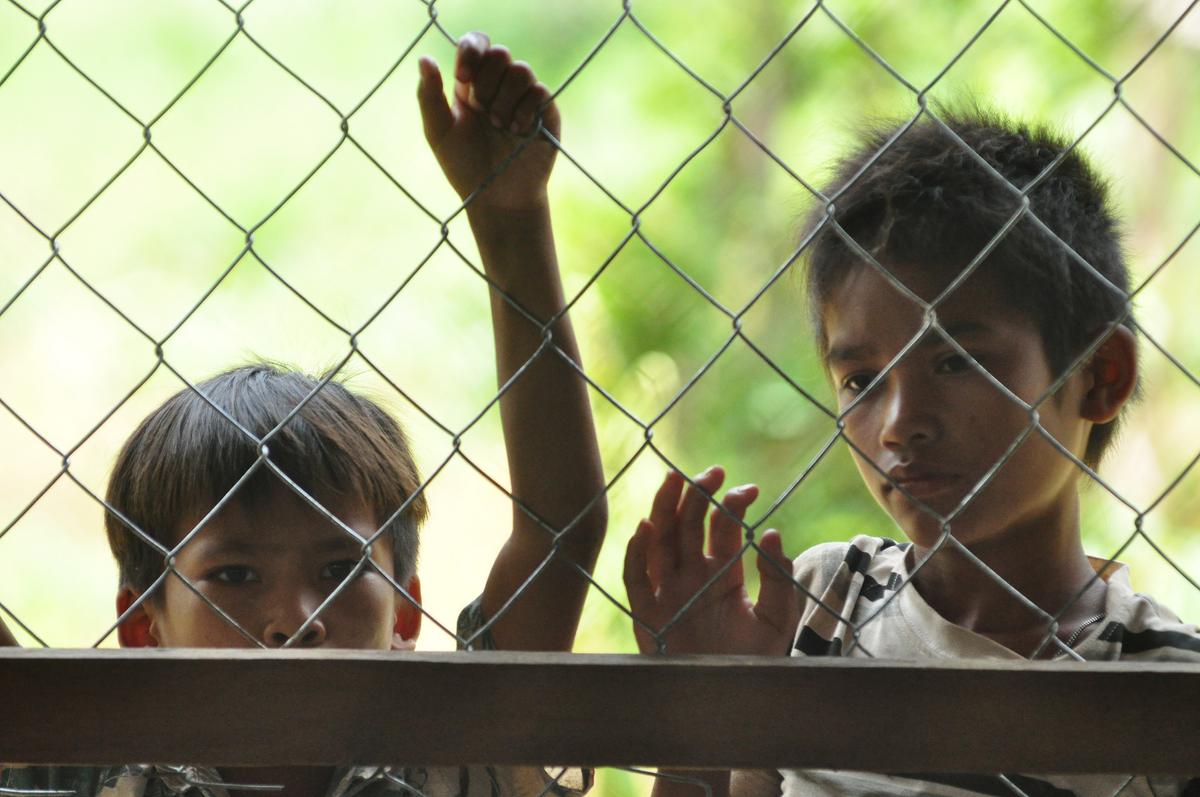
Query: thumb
point(639, 588)
point(638, 584)
point(436, 115)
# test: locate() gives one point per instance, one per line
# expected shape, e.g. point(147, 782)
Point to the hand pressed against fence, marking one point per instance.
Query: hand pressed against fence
point(666, 567)
point(495, 101)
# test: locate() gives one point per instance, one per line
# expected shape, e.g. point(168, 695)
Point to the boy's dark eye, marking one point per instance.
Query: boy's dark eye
point(857, 382)
point(234, 574)
point(953, 364)
point(339, 570)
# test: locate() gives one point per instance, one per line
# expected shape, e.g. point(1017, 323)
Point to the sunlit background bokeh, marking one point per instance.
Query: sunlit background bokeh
point(259, 137)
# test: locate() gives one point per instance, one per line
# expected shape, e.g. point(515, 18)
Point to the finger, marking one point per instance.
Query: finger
point(777, 593)
point(637, 578)
point(692, 509)
point(526, 112)
point(436, 116)
point(725, 528)
point(487, 78)
point(471, 47)
point(666, 500)
point(638, 587)
point(662, 559)
point(773, 564)
point(516, 81)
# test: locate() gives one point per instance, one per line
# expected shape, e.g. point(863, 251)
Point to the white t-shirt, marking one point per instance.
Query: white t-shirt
point(851, 581)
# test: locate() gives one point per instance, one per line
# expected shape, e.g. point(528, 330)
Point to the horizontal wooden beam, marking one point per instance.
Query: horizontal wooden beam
point(301, 707)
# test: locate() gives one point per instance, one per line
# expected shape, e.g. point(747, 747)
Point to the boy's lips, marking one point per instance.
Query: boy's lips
point(921, 482)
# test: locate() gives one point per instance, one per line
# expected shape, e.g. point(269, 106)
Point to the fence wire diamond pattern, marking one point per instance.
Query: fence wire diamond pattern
point(247, 223)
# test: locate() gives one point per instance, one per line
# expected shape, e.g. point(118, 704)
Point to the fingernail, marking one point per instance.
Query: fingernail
point(514, 128)
point(496, 121)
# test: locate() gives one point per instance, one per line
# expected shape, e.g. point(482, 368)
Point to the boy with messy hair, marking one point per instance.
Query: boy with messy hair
point(270, 508)
point(982, 351)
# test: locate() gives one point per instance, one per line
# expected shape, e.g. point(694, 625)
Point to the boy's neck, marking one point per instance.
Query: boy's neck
point(1047, 566)
point(296, 781)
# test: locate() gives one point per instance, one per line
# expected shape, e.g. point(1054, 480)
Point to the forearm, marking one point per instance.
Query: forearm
point(553, 457)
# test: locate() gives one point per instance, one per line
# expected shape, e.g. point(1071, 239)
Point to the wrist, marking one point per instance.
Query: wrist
point(495, 218)
point(514, 242)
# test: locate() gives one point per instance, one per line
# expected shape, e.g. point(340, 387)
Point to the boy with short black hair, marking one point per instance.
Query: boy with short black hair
point(970, 302)
point(267, 507)
point(228, 584)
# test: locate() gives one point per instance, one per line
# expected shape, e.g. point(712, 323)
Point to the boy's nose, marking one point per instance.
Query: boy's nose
point(287, 620)
point(909, 417)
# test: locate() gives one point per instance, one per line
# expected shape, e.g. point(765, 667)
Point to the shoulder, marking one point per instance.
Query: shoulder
point(1139, 628)
point(838, 581)
point(821, 564)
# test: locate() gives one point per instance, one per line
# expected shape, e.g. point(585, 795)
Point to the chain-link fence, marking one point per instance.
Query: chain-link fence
point(190, 187)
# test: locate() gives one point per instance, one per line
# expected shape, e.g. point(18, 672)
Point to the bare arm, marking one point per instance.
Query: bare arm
point(7, 640)
point(553, 457)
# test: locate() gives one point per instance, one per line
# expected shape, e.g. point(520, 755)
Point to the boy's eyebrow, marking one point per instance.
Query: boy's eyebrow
point(857, 352)
point(228, 545)
point(853, 353)
point(960, 329)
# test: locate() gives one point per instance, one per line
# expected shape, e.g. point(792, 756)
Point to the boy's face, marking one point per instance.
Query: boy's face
point(935, 424)
point(269, 566)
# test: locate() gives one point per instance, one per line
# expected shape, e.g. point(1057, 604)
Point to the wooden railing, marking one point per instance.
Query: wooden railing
point(305, 707)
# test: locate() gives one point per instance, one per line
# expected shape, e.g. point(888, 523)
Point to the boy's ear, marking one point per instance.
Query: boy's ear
point(408, 617)
point(137, 630)
point(1113, 376)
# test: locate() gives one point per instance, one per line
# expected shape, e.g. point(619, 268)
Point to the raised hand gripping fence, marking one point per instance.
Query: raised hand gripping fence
point(612, 710)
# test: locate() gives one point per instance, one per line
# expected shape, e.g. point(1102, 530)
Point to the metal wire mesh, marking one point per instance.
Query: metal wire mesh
point(342, 110)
